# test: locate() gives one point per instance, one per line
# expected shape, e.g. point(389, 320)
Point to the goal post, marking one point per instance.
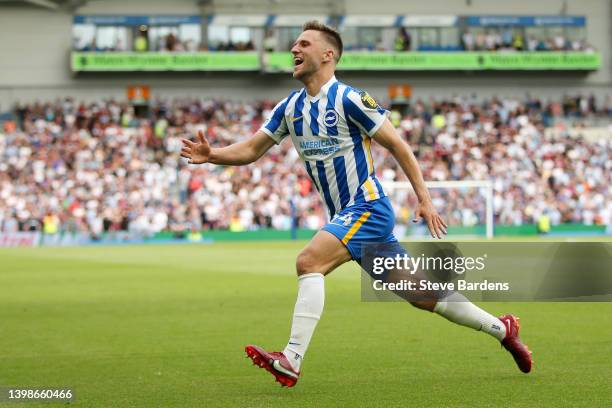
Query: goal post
point(483, 189)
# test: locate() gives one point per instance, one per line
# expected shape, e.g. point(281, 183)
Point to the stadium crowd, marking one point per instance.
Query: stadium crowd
point(99, 167)
point(491, 39)
point(508, 40)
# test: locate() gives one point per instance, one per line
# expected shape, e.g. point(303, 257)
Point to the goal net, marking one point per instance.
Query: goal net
point(466, 206)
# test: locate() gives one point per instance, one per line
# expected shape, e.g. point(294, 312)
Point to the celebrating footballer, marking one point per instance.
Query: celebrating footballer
point(332, 126)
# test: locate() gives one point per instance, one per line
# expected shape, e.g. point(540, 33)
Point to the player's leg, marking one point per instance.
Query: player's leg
point(323, 254)
point(458, 309)
point(453, 306)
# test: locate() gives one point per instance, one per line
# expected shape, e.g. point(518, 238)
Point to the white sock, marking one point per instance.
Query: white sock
point(458, 309)
point(306, 315)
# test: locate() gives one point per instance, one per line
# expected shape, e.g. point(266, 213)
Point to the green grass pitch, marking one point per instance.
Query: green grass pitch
point(165, 326)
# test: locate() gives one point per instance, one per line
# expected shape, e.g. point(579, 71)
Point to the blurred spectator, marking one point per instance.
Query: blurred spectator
point(141, 42)
point(467, 41)
point(403, 40)
point(171, 43)
point(518, 42)
point(270, 42)
point(51, 224)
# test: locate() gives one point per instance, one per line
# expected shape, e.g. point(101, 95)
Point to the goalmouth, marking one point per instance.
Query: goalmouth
point(478, 189)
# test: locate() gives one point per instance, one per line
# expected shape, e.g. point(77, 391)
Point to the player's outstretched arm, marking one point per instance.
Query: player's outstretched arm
point(388, 138)
point(237, 154)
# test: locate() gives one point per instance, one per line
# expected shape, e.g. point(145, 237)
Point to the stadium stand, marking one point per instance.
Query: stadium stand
point(109, 33)
point(545, 155)
point(99, 167)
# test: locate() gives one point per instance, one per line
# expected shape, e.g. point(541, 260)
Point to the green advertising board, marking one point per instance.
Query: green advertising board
point(451, 61)
point(163, 61)
point(356, 61)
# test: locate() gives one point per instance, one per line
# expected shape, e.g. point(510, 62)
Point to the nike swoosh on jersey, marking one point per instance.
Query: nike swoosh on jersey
point(298, 118)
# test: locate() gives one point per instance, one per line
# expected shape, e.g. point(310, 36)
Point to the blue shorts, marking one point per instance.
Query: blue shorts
point(371, 222)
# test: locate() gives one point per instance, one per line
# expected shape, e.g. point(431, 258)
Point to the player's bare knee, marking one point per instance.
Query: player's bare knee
point(424, 304)
point(305, 263)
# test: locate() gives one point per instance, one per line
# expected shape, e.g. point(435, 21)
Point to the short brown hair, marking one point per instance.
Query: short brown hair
point(331, 35)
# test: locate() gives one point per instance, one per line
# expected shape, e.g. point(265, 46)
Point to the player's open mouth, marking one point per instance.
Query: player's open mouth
point(297, 61)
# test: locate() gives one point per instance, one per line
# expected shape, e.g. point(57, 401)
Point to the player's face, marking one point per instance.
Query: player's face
point(308, 53)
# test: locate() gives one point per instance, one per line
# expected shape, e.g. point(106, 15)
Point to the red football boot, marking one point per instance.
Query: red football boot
point(275, 363)
point(512, 342)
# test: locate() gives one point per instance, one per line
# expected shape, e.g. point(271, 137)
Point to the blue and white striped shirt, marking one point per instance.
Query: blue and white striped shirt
point(332, 133)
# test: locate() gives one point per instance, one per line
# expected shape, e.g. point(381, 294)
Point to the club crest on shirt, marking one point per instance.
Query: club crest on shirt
point(330, 118)
point(367, 100)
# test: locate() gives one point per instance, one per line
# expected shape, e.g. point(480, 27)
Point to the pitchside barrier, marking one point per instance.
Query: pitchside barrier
point(33, 239)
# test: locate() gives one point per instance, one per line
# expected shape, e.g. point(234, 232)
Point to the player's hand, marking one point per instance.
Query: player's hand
point(435, 223)
point(197, 152)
